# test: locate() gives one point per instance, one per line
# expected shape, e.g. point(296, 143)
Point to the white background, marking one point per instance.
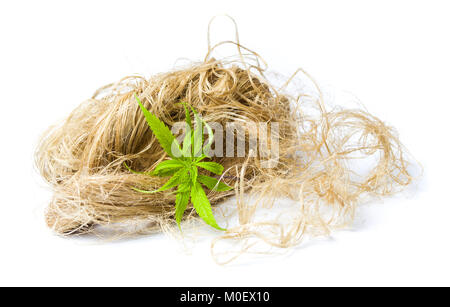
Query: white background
point(392, 55)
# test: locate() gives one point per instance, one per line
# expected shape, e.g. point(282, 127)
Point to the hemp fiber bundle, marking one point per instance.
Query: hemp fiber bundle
point(82, 159)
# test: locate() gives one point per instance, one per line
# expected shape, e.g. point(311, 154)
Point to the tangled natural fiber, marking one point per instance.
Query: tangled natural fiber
point(82, 159)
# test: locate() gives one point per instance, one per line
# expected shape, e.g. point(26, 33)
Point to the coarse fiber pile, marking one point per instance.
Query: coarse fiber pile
point(82, 158)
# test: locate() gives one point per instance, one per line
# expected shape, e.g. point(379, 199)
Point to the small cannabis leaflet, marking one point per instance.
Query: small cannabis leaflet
point(183, 167)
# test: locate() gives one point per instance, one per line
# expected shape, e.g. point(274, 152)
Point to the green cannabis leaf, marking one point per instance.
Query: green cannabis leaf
point(183, 167)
